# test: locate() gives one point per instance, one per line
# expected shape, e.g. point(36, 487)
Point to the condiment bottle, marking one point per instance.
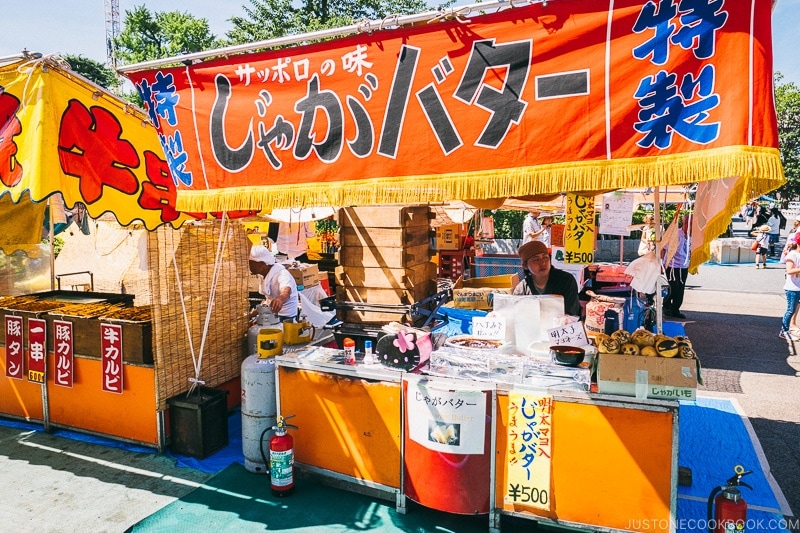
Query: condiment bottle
point(368, 359)
point(349, 351)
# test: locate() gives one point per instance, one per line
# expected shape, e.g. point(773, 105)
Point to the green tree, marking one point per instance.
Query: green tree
point(268, 19)
point(787, 103)
point(93, 71)
point(150, 35)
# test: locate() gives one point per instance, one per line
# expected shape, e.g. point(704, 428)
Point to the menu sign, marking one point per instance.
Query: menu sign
point(111, 348)
point(37, 349)
point(63, 347)
point(14, 361)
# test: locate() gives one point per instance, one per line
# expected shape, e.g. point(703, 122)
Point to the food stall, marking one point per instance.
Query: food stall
point(466, 109)
point(76, 359)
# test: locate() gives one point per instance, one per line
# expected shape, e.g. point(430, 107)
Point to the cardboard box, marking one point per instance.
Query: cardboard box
point(478, 293)
point(480, 298)
point(450, 237)
point(660, 378)
point(305, 275)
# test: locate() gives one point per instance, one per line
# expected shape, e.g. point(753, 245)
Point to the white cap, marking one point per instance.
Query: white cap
point(260, 254)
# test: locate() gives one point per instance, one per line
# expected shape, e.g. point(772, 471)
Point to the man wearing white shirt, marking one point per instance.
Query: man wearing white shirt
point(277, 284)
point(531, 229)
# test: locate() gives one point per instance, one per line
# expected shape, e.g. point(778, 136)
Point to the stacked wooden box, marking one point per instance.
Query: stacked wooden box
point(384, 259)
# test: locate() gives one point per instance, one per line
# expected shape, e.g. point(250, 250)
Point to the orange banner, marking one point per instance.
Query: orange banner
point(565, 96)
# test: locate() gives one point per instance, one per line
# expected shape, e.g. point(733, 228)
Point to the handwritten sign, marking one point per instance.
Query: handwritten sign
point(570, 335)
point(530, 445)
point(617, 214)
point(579, 230)
point(484, 327)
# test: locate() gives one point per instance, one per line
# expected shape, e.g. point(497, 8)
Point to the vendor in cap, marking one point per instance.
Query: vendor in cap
point(542, 278)
point(277, 284)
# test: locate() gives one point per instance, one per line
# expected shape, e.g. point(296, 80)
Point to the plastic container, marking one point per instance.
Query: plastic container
point(368, 358)
point(349, 346)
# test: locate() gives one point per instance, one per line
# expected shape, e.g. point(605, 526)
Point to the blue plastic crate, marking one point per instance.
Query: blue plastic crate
point(486, 266)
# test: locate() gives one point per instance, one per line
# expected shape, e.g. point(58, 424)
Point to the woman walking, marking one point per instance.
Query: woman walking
point(792, 288)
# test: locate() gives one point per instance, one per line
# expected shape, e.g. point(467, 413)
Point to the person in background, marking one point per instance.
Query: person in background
point(531, 229)
point(775, 222)
point(291, 240)
point(277, 285)
point(790, 237)
point(542, 278)
point(647, 242)
point(762, 238)
point(792, 288)
point(544, 236)
point(762, 215)
point(750, 212)
point(678, 271)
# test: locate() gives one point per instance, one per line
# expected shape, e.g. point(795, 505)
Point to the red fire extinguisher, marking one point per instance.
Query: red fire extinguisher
point(730, 514)
point(281, 459)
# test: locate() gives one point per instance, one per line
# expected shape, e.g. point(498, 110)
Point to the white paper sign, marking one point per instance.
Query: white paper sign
point(617, 214)
point(530, 448)
point(570, 335)
point(484, 327)
point(447, 421)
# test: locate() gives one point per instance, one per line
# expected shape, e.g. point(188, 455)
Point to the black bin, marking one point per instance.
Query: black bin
point(198, 423)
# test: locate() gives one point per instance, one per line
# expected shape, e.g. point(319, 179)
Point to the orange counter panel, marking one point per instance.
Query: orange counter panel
point(19, 397)
point(610, 465)
point(131, 415)
point(347, 424)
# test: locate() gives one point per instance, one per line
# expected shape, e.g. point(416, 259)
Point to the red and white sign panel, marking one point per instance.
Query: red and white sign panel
point(111, 347)
point(14, 361)
point(37, 349)
point(63, 348)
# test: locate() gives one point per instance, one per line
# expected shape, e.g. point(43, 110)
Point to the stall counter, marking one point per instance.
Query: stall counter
point(604, 450)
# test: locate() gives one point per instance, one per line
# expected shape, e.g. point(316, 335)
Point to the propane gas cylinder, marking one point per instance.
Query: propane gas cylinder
point(259, 410)
point(265, 318)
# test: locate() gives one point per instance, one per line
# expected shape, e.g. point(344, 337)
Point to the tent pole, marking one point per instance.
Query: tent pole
point(657, 214)
point(52, 246)
point(621, 249)
point(368, 26)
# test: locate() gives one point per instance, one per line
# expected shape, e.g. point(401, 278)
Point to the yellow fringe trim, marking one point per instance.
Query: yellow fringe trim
point(716, 226)
point(760, 167)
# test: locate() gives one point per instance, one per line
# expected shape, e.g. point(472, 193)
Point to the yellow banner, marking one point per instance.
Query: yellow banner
point(530, 445)
point(60, 133)
point(579, 229)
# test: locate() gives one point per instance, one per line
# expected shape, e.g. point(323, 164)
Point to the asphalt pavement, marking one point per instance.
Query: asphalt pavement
point(54, 484)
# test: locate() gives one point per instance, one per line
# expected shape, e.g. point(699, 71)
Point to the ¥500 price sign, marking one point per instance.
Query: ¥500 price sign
point(530, 434)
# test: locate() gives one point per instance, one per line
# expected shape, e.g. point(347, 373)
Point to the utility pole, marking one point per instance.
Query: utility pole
point(112, 31)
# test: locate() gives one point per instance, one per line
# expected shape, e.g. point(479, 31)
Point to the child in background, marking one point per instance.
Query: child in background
point(762, 238)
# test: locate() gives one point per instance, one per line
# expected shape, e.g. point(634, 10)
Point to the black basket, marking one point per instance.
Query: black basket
point(198, 422)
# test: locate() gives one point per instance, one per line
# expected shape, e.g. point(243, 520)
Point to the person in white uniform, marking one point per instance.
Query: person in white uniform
point(277, 285)
point(292, 239)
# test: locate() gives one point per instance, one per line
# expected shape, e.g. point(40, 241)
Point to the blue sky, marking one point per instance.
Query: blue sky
point(78, 26)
